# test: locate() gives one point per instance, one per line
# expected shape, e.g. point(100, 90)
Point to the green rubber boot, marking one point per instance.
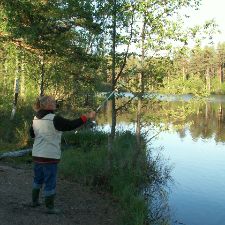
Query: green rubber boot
point(35, 197)
point(49, 203)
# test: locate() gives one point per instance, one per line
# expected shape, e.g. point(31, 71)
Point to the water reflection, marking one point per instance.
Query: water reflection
point(196, 149)
point(194, 142)
point(160, 175)
point(206, 123)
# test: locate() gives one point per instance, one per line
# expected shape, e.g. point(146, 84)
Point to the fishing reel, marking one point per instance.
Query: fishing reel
point(59, 103)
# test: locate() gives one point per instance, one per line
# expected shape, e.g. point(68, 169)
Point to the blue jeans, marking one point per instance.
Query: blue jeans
point(45, 173)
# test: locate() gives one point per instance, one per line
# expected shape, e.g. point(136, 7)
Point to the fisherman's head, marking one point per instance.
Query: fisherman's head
point(45, 103)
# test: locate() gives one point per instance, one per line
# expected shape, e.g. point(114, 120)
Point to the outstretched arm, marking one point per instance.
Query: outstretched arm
point(63, 124)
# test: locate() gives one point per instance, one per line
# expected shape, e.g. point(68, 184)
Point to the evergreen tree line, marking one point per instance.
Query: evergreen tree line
point(66, 48)
point(73, 49)
point(199, 71)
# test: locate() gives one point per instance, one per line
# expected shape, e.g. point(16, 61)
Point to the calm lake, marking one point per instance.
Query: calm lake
point(194, 145)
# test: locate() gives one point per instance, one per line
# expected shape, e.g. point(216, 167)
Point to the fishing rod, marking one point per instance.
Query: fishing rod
point(93, 123)
point(103, 103)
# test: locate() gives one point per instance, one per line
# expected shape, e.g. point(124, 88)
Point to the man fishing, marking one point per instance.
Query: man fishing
point(47, 130)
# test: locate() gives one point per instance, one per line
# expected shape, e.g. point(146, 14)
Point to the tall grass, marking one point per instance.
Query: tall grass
point(87, 163)
point(14, 134)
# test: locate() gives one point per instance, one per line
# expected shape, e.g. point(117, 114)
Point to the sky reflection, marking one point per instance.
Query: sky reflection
point(198, 196)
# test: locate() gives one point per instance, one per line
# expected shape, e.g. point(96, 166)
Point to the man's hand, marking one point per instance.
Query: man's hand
point(91, 115)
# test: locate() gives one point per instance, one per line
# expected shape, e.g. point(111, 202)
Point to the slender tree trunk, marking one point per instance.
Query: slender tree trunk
point(220, 120)
point(184, 74)
point(220, 113)
point(206, 112)
point(208, 82)
point(141, 86)
point(42, 76)
point(16, 89)
point(16, 94)
point(114, 70)
point(5, 71)
point(22, 82)
point(222, 73)
point(140, 97)
point(113, 85)
point(168, 79)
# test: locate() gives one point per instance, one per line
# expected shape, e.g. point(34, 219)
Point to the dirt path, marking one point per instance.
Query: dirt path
point(79, 205)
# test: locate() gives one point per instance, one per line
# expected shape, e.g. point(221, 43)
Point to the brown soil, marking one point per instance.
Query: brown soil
point(79, 205)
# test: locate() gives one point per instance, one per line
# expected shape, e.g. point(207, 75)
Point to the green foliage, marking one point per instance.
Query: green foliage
point(88, 164)
point(196, 86)
point(86, 140)
point(74, 37)
point(63, 34)
point(50, 26)
point(222, 90)
point(83, 167)
point(193, 85)
point(217, 86)
point(14, 134)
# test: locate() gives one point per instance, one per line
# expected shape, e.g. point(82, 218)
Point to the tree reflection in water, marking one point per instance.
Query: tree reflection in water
point(158, 190)
point(204, 119)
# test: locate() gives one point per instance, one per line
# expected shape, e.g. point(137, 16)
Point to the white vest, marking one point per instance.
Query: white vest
point(47, 139)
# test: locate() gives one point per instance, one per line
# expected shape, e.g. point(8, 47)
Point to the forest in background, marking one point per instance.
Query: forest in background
point(75, 49)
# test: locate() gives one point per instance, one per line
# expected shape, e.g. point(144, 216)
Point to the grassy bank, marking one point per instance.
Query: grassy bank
point(14, 134)
point(85, 160)
point(88, 163)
